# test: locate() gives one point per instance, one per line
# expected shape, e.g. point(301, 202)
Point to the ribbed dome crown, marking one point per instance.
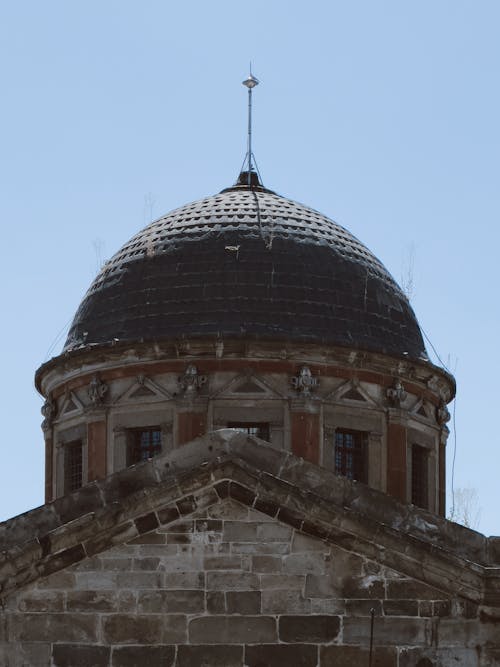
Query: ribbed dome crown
point(247, 263)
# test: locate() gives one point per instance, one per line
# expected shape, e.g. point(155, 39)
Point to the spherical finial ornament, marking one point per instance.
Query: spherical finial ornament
point(250, 82)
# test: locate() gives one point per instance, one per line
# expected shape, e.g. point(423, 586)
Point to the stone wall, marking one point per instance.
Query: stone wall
point(230, 587)
point(227, 566)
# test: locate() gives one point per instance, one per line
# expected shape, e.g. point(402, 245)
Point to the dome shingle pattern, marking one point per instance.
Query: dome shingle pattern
point(247, 263)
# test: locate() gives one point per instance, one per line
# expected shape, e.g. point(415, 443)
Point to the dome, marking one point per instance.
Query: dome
point(247, 263)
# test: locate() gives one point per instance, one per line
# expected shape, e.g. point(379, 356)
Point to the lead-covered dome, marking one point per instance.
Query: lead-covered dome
point(247, 263)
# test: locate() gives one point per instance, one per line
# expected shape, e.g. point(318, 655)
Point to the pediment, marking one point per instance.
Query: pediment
point(71, 405)
point(422, 409)
point(204, 474)
point(352, 392)
point(144, 390)
point(248, 385)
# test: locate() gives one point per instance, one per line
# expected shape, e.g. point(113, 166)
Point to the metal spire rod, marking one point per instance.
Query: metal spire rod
point(250, 82)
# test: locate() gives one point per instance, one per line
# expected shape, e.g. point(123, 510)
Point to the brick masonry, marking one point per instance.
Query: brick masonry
point(230, 567)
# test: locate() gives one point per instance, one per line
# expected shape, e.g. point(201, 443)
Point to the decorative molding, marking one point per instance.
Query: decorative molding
point(304, 383)
point(396, 395)
point(248, 385)
point(96, 391)
point(143, 389)
point(191, 381)
point(48, 410)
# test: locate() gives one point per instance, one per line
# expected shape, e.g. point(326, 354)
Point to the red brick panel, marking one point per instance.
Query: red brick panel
point(305, 436)
point(190, 425)
point(96, 437)
point(396, 461)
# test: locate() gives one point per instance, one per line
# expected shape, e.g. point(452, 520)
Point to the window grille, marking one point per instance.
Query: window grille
point(419, 476)
point(73, 466)
point(350, 455)
point(144, 443)
point(251, 428)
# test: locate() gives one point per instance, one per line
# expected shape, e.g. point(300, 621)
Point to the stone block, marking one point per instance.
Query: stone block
point(354, 656)
point(171, 601)
point(410, 589)
point(261, 548)
point(96, 580)
point(41, 601)
point(222, 563)
point(147, 564)
point(273, 532)
point(238, 531)
point(60, 580)
point(364, 607)
point(242, 494)
point(168, 514)
point(232, 630)
point(91, 600)
point(209, 656)
point(183, 579)
point(150, 538)
point(25, 655)
point(284, 602)
point(387, 630)
point(80, 655)
point(216, 602)
point(111, 537)
point(143, 629)
point(135, 580)
point(116, 564)
point(301, 543)
point(243, 602)
point(313, 562)
point(266, 506)
point(147, 656)
point(54, 627)
point(146, 523)
point(308, 629)
point(232, 581)
point(328, 606)
point(267, 564)
point(286, 582)
point(401, 607)
point(298, 655)
point(421, 657)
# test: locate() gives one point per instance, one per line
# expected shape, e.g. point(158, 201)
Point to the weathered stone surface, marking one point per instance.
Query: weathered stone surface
point(284, 601)
point(171, 601)
point(91, 600)
point(209, 656)
point(401, 607)
point(243, 602)
point(139, 656)
point(308, 629)
point(422, 657)
point(25, 654)
point(298, 655)
point(41, 601)
point(53, 627)
point(353, 656)
point(80, 655)
point(232, 630)
point(144, 629)
point(387, 630)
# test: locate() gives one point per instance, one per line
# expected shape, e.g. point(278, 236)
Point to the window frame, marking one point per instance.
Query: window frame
point(73, 480)
point(358, 469)
point(419, 488)
point(135, 448)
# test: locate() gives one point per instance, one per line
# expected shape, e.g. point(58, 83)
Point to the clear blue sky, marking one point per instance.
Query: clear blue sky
point(382, 115)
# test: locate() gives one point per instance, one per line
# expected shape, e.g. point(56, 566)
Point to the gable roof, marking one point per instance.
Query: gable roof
point(226, 464)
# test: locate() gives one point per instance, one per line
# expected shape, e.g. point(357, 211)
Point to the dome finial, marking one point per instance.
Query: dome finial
point(250, 82)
